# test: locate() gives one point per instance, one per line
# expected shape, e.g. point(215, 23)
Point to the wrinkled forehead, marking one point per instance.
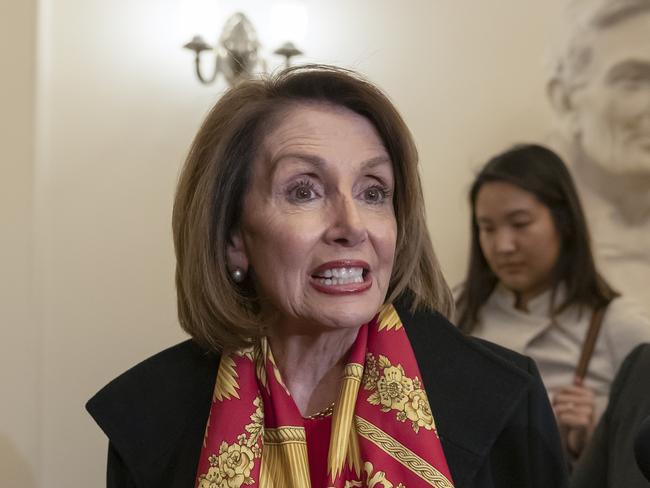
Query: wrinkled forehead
point(317, 127)
point(625, 41)
point(305, 116)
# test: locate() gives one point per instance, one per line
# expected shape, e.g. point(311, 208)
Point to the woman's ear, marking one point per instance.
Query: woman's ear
point(236, 253)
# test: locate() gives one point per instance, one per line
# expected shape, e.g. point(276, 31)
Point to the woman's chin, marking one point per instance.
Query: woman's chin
point(321, 312)
point(348, 318)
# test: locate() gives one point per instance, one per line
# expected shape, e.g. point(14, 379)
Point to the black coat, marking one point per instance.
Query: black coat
point(491, 410)
point(609, 460)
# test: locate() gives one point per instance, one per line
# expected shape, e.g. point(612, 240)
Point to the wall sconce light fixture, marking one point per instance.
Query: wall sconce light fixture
point(237, 51)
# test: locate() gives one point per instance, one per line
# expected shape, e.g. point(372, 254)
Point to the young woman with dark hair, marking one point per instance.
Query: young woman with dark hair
point(533, 287)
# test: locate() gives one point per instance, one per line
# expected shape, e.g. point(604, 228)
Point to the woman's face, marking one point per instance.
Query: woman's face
point(318, 229)
point(518, 238)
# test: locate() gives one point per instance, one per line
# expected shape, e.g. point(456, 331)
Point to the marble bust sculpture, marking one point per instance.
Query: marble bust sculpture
point(600, 91)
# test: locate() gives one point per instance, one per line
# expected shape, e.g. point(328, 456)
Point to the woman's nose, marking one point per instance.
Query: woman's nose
point(504, 241)
point(347, 224)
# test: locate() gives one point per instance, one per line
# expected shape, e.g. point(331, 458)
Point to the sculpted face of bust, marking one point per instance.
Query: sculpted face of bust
point(609, 107)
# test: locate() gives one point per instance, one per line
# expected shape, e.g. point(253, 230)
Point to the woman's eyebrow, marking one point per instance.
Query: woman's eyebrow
point(318, 162)
point(376, 161)
point(310, 159)
point(518, 213)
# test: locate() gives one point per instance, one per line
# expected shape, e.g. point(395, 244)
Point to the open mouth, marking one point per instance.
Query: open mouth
point(342, 276)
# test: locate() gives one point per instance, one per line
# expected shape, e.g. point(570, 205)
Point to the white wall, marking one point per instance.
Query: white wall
point(119, 110)
point(19, 336)
point(117, 106)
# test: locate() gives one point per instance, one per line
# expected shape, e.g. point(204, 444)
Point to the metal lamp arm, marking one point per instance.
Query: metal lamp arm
point(199, 74)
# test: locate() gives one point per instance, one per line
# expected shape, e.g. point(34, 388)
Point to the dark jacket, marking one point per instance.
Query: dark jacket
point(492, 412)
point(609, 460)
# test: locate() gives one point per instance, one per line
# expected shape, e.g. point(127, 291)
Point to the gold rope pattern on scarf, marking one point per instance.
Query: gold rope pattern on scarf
point(401, 453)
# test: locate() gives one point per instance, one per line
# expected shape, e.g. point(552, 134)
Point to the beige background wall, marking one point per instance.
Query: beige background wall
point(98, 110)
point(20, 348)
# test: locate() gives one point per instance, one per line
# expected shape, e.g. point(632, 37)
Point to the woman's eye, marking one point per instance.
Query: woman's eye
point(375, 194)
point(302, 192)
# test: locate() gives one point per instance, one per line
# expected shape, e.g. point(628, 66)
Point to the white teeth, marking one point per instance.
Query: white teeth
point(341, 276)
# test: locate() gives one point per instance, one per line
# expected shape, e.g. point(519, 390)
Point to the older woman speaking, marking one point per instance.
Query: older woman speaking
point(307, 280)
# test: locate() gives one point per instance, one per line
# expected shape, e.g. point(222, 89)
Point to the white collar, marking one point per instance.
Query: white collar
point(539, 306)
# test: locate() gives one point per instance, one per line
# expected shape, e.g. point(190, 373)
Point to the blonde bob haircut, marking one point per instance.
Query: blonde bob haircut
point(223, 315)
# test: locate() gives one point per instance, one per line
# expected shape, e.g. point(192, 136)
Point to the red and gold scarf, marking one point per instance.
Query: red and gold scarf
point(383, 433)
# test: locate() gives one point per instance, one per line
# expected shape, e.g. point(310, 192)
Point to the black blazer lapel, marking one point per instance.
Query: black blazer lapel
point(472, 391)
point(155, 415)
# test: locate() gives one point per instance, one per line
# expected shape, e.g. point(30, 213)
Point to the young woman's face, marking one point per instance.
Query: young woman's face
point(518, 238)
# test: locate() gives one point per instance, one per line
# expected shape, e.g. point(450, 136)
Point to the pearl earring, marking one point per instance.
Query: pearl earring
point(237, 275)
